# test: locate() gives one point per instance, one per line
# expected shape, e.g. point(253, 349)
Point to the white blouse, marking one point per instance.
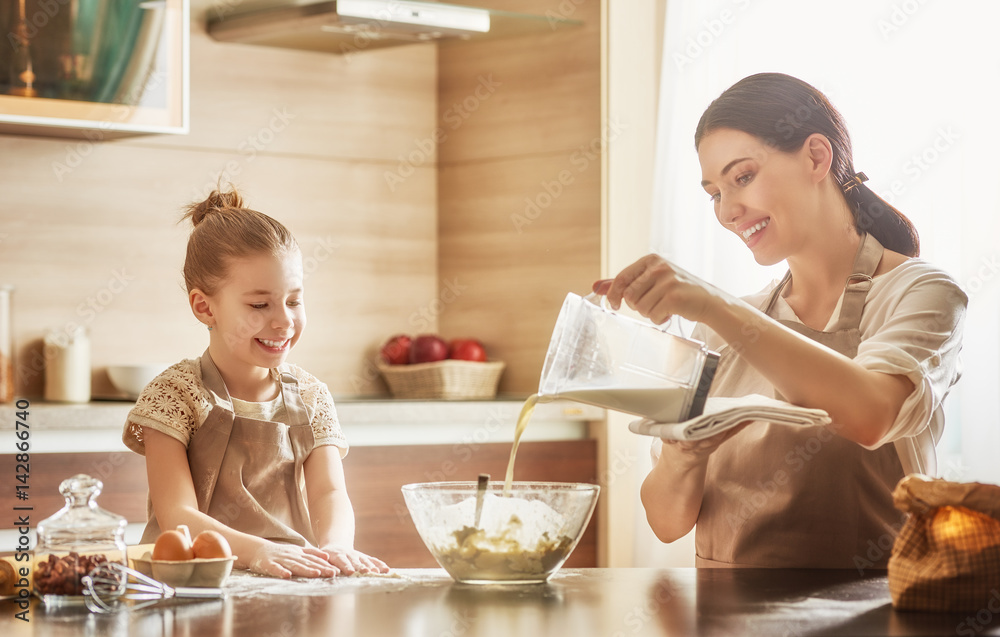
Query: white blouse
point(911, 326)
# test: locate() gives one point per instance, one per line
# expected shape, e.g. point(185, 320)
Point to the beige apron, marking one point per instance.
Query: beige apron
point(779, 496)
point(247, 473)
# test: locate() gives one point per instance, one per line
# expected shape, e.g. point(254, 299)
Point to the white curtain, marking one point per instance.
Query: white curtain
point(917, 83)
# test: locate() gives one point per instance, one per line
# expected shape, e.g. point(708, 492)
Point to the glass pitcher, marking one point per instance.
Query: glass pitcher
point(599, 357)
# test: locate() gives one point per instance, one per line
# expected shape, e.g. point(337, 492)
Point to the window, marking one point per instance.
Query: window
point(917, 82)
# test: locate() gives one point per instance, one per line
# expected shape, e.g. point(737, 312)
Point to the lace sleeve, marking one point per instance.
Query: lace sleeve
point(322, 412)
point(173, 403)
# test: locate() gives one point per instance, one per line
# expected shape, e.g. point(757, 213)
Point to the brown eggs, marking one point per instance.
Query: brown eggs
point(211, 545)
point(174, 546)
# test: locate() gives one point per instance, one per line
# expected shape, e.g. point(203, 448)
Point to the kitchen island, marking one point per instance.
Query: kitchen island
point(574, 603)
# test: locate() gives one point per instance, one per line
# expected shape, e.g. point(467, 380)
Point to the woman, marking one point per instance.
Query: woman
point(878, 353)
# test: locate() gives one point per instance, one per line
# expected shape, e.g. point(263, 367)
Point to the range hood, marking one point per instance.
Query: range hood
point(349, 26)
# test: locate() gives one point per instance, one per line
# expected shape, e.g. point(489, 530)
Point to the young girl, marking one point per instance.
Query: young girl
point(858, 327)
point(238, 441)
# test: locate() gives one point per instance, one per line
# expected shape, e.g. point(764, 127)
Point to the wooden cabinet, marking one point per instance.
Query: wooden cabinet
point(124, 74)
point(374, 477)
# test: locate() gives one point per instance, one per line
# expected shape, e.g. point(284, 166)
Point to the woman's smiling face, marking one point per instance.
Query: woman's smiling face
point(760, 193)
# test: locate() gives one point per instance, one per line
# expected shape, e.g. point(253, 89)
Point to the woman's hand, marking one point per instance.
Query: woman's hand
point(657, 290)
point(349, 561)
point(287, 560)
point(691, 452)
point(672, 492)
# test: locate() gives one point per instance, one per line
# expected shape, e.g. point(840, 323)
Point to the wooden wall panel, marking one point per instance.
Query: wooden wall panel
point(545, 87)
point(74, 215)
point(519, 184)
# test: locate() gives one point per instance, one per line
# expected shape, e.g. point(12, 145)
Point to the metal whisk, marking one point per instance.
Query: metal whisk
point(108, 586)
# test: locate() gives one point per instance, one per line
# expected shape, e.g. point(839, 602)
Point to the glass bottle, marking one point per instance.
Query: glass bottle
point(76, 539)
point(6, 346)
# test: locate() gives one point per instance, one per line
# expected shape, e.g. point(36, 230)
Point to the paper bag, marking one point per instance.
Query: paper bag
point(947, 555)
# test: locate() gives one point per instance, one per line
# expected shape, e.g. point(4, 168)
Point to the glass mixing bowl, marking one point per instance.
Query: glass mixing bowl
point(520, 539)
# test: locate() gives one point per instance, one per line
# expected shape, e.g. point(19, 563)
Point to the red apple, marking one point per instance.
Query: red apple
point(396, 350)
point(467, 349)
point(428, 348)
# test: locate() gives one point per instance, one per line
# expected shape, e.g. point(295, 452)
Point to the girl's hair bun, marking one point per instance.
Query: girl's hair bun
point(232, 232)
point(217, 201)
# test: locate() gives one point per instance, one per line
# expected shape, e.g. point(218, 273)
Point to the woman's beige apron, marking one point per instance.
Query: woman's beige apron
point(780, 496)
point(247, 473)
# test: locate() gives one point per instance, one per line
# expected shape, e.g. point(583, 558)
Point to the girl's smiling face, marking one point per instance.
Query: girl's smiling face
point(258, 312)
point(759, 193)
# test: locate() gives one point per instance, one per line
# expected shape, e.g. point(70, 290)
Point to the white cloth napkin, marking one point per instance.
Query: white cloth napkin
point(722, 413)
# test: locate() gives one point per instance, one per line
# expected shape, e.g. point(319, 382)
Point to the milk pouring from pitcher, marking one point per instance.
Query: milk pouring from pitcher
point(600, 357)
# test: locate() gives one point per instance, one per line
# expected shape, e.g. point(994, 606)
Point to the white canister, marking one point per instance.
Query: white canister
point(67, 366)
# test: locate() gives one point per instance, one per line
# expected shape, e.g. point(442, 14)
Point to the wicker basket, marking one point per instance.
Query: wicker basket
point(447, 379)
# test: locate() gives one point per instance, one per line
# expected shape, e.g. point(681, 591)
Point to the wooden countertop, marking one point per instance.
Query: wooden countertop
point(575, 602)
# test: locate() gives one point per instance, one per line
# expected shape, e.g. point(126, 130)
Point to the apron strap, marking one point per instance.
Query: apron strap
point(210, 453)
point(775, 293)
point(301, 433)
point(859, 283)
point(866, 261)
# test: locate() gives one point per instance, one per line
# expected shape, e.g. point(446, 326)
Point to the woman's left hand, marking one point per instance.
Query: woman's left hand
point(657, 290)
point(350, 561)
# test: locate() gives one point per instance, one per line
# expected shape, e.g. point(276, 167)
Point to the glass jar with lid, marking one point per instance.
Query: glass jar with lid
point(75, 540)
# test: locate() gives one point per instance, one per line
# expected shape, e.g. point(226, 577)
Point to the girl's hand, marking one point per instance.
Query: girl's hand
point(350, 561)
point(656, 289)
point(287, 560)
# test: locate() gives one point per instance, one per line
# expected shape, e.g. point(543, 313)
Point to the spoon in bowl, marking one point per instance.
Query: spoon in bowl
point(484, 481)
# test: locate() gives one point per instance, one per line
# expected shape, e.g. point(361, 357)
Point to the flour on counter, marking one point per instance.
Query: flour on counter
point(246, 584)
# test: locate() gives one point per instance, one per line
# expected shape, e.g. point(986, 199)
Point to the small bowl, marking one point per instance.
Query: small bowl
point(199, 572)
point(521, 539)
point(132, 379)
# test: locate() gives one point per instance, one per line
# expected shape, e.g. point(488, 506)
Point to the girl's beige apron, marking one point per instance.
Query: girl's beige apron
point(778, 496)
point(248, 474)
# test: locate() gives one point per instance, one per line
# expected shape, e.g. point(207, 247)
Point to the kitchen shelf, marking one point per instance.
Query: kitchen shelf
point(152, 97)
point(314, 26)
point(97, 426)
